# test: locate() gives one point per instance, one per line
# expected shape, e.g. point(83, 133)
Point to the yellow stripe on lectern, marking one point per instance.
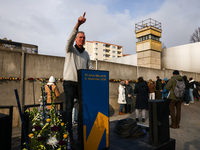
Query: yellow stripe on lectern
point(101, 123)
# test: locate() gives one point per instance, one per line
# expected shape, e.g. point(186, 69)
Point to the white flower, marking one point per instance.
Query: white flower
point(52, 141)
point(39, 135)
point(33, 129)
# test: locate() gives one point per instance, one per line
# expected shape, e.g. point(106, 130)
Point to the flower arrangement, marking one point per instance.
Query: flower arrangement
point(119, 80)
point(48, 131)
point(27, 79)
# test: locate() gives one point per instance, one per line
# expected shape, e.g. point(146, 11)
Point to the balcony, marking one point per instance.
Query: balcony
point(119, 55)
point(119, 50)
point(107, 53)
point(107, 45)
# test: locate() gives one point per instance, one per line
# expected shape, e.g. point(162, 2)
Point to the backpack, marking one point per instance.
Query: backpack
point(179, 90)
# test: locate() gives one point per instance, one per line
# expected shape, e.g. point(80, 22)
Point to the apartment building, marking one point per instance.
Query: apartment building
point(103, 51)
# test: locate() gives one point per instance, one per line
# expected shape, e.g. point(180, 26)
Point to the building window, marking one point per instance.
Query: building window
point(96, 43)
point(146, 37)
point(155, 37)
point(96, 49)
point(95, 54)
point(107, 45)
point(113, 52)
point(113, 47)
point(113, 56)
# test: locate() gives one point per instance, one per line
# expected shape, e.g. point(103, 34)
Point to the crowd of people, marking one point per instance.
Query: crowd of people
point(161, 89)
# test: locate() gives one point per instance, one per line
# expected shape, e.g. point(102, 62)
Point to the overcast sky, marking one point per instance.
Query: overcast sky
point(48, 23)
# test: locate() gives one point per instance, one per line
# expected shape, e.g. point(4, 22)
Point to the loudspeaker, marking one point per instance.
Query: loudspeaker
point(5, 132)
point(159, 122)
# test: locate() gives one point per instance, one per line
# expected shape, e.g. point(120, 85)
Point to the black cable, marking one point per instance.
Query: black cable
point(128, 128)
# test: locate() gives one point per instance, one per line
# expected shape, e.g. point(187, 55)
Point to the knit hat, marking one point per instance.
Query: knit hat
point(52, 79)
point(122, 82)
point(176, 72)
point(165, 79)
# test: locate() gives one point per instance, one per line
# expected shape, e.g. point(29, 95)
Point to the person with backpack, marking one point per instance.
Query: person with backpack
point(176, 88)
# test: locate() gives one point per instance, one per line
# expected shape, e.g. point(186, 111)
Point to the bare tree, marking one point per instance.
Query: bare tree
point(195, 36)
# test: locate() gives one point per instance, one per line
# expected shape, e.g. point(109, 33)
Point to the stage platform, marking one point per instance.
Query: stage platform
point(129, 143)
point(141, 143)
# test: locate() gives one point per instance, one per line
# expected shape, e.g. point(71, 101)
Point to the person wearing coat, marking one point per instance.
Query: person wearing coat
point(193, 89)
point(129, 97)
point(52, 90)
point(164, 91)
point(141, 89)
point(186, 95)
point(158, 88)
point(121, 97)
point(151, 86)
point(175, 103)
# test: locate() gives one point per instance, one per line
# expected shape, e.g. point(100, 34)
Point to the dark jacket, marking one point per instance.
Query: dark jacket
point(170, 86)
point(129, 90)
point(191, 84)
point(141, 89)
point(151, 87)
point(186, 82)
point(158, 85)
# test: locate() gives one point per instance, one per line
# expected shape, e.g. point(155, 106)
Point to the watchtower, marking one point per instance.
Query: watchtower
point(148, 46)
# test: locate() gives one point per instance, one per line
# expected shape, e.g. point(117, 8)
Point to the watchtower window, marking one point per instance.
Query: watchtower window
point(146, 37)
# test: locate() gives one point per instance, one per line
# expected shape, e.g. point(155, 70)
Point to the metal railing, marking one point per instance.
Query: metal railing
point(147, 23)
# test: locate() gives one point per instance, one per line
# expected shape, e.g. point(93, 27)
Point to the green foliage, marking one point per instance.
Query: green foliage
point(48, 130)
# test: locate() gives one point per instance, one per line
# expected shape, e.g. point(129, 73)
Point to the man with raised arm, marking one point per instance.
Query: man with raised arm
point(75, 58)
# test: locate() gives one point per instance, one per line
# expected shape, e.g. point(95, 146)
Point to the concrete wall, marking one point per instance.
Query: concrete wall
point(184, 57)
point(128, 60)
point(17, 64)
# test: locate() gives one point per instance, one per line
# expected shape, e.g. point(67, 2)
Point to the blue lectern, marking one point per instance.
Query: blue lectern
point(94, 94)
